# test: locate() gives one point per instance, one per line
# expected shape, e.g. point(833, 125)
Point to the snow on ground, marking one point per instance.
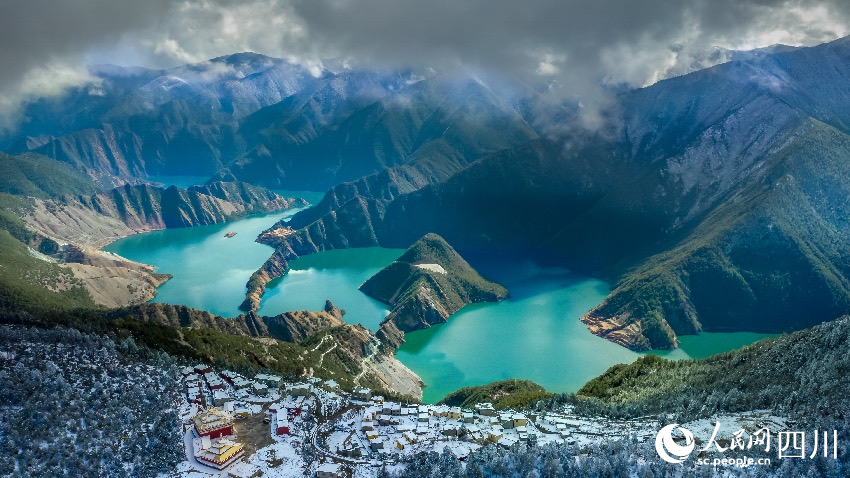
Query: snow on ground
point(271, 397)
point(432, 267)
point(186, 470)
point(279, 460)
point(371, 434)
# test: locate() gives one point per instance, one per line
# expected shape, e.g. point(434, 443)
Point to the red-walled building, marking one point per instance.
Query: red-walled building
point(294, 407)
point(220, 453)
point(282, 423)
point(202, 369)
point(213, 423)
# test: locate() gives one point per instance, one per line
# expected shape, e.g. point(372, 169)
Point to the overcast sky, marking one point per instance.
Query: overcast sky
point(46, 44)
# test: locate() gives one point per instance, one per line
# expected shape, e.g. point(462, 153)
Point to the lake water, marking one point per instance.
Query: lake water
point(210, 270)
point(534, 335)
point(333, 275)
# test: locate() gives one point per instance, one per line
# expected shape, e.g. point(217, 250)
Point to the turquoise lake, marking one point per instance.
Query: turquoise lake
point(332, 275)
point(210, 270)
point(535, 334)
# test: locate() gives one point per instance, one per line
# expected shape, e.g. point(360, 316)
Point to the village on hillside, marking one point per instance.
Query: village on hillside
point(239, 427)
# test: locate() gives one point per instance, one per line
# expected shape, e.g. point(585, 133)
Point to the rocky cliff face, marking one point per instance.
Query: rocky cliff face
point(247, 197)
point(288, 326)
point(353, 349)
point(297, 326)
point(98, 219)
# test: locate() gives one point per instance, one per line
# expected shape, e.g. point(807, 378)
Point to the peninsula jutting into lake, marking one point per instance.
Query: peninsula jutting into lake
point(533, 334)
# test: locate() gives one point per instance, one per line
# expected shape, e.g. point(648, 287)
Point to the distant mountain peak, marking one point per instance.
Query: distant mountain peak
point(246, 57)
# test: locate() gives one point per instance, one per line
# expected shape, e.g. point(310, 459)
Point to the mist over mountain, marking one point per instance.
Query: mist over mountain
point(713, 201)
point(267, 121)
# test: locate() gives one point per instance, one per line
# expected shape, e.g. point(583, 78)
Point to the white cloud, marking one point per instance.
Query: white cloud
point(51, 79)
point(578, 43)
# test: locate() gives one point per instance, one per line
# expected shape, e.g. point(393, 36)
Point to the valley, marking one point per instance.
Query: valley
point(534, 334)
point(412, 271)
point(208, 270)
point(687, 199)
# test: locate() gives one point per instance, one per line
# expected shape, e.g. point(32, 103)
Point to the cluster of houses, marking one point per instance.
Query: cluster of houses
point(205, 387)
point(375, 429)
point(215, 400)
point(391, 427)
point(288, 409)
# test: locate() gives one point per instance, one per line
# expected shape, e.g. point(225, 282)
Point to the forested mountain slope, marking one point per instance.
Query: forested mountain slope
point(269, 122)
point(725, 183)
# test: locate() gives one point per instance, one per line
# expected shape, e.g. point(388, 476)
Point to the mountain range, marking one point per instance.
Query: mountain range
point(266, 121)
point(713, 201)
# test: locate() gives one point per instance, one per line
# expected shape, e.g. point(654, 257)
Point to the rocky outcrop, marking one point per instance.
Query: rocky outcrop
point(297, 326)
point(99, 219)
point(390, 335)
point(275, 266)
point(352, 348)
point(288, 326)
point(425, 286)
point(421, 307)
point(144, 206)
point(181, 316)
point(250, 198)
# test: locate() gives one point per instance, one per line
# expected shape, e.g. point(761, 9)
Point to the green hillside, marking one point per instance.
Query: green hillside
point(794, 373)
point(28, 283)
point(504, 394)
point(41, 177)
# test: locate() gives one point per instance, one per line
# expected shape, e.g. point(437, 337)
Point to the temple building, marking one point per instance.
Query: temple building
point(220, 453)
point(213, 423)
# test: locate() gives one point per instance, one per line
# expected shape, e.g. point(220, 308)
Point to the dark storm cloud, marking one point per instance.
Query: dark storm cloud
point(486, 31)
point(578, 44)
point(42, 41)
point(586, 37)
